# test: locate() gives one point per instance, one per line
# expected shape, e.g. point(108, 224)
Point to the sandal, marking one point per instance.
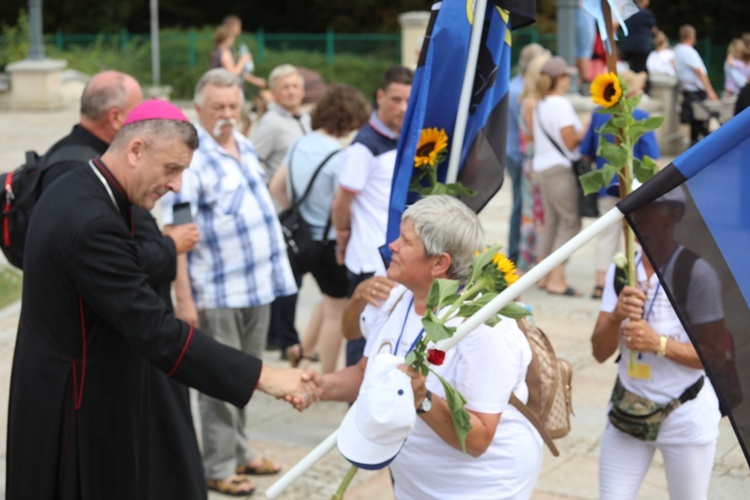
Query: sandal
point(568, 292)
point(231, 486)
point(293, 354)
point(597, 293)
point(265, 468)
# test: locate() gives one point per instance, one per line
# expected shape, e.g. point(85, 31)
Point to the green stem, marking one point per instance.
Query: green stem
point(457, 304)
point(629, 235)
point(339, 495)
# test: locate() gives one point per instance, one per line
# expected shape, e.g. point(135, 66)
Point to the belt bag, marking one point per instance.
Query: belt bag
point(641, 417)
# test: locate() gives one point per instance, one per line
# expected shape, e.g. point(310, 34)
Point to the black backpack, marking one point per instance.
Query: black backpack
point(21, 190)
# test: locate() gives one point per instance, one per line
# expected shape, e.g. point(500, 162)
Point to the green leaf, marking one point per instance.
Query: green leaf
point(640, 127)
point(434, 329)
point(481, 260)
point(411, 358)
point(472, 307)
point(514, 311)
point(591, 182)
point(493, 320)
point(608, 128)
point(645, 169)
point(614, 154)
point(440, 291)
point(607, 111)
point(459, 415)
point(458, 189)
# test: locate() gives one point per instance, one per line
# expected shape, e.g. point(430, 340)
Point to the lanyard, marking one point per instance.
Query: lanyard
point(416, 339)
point(658, 286)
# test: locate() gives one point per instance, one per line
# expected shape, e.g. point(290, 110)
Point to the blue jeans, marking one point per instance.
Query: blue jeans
point(514, 170)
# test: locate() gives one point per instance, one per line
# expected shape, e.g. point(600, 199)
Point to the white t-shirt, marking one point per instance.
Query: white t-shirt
point(553, 113)
point(686, 61)
point(485, 367)
point(695, 421)
point(370, 177)
point(661, 62)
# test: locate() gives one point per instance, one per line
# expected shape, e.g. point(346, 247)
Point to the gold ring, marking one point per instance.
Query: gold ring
point(373, 291)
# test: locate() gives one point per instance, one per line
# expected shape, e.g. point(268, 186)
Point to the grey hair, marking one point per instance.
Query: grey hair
point(282, 71)
point(218, 77)
point(98, 97)
point(156, 130)
point(444, 224)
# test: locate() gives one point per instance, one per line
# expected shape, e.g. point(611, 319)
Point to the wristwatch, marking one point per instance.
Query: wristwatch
point(426, 403)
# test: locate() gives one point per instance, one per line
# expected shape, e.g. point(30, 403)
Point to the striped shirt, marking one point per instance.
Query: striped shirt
point(241, 258)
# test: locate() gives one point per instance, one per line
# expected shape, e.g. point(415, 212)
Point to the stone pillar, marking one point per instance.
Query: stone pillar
point(413, 28)
point(669, 135)
point(36, 85)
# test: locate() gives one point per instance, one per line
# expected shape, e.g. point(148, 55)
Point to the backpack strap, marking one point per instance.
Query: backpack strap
point(74, 152)
point(681, 273)
point(526, 412)
point(296, 203)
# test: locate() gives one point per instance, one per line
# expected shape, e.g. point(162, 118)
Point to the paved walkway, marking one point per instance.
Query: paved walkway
point(282, 433)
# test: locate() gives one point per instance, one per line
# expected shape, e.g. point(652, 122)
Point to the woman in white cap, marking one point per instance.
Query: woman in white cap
point(557, 134)
point(439, 238)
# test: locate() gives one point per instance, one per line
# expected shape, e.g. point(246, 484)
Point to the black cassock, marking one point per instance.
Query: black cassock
point(85, 410)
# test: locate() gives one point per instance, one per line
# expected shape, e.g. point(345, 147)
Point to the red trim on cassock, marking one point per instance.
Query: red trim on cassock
point(104, 170)
point(182, 354)
point(78, 392)
point(6, 209)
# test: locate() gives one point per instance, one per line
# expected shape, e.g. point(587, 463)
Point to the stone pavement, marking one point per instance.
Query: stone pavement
point(280, 432)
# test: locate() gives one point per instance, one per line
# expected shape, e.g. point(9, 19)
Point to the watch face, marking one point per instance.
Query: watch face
point(426, 405)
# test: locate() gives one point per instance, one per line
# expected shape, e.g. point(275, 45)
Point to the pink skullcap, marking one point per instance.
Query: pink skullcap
point(155, 109)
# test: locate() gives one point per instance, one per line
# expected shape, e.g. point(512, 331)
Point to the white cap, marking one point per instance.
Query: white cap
point(383, 416)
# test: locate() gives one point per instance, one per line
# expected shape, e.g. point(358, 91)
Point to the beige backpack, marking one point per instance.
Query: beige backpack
point(549, 380)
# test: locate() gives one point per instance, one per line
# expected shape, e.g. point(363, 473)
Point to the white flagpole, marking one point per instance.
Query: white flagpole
point(459, 131)
point(531, 277)
point(485, 313)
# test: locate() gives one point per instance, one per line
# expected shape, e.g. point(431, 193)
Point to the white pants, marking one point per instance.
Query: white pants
point(624, 461)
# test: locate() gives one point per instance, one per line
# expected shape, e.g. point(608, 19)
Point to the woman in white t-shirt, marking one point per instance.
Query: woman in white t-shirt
point(557, 134)
point(439, 236)
point(658, 362)
point(340, 111)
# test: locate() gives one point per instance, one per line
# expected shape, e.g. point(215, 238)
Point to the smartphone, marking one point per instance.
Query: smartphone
point(182, 213)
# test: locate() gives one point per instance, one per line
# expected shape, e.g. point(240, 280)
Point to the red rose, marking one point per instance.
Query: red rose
point(435, 357)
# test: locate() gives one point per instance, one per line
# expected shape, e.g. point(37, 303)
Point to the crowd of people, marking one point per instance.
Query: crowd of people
point(98, 308)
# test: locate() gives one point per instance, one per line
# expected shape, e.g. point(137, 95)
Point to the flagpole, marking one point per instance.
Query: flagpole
point(300, 467)
point(459, 131)
point(527, 280)
point(490, 309)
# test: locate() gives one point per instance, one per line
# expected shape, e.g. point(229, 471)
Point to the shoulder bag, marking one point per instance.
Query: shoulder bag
point(303, 251)
point(587, 204)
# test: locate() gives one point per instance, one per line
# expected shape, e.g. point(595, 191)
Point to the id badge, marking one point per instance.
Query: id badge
point(640, 371)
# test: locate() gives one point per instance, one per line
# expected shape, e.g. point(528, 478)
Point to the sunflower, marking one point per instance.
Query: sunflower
point(432, 145)
point(507, 267)
point(606, 90)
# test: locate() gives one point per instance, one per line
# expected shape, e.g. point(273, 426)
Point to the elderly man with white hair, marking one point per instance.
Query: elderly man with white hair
point(239, 267)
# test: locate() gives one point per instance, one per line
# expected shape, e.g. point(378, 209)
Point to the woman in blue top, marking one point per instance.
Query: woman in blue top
point(342, 110)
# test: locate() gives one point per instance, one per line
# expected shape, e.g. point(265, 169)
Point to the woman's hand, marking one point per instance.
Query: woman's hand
point(375, 290)
point(417, 384)
point(630, 304)
point(640, 337)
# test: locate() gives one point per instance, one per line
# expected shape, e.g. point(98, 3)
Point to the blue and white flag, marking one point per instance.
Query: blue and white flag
point(435, 96)
point(693, 221)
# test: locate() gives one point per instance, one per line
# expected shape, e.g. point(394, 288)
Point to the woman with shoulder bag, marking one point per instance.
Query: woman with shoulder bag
point(557, 134)
point(342, 110)
point(662, 399)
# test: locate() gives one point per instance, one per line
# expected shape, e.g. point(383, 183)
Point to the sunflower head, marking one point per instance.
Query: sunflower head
point(431, 148)
point(606, 90)
point(506, 267)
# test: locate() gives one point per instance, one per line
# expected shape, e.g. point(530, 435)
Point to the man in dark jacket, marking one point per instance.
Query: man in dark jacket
point(92, 327)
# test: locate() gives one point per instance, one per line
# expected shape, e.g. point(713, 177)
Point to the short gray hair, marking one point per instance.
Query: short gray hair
point(156, 130)
point(218, 77)
point(444, 224)
point(283, 71)
point(103, 92)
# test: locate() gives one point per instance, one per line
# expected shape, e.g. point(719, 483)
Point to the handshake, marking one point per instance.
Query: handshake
point(297, 387)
